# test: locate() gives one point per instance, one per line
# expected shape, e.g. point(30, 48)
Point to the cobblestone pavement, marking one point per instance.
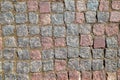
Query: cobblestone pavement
point(59, 40)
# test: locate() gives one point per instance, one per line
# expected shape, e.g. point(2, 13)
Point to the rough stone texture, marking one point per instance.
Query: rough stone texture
point(8, 30)
point(86, 40)
point(72, 41)
point(61, 53)
point(57, 19)
point(85, 52)
point(99, 42)
point(90, 16)
point(59, 31)
point(59, 40)
point(115, 16)
point(112, 42)
point(46, 31)
point(103, 17)
point(99, 29)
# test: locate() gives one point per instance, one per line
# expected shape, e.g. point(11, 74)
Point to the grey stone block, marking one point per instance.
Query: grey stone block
point(23, 42)
point(48, 54)
point(90, 16)
point(34, 29)
point(9, 53)
point(69, 17)
point(112, 42)
point(74, 64)
point(23, 67)
point(8, 30)
point(85, 52)
point(103, 17)
point(8, 66)
point(33, 17)
point(35, 42)
point(98, 53)
point(9, 76)
point(10, 42)
point(23, 54)
point(72, 41)
point(85, 28)
point(92, 5)
point(110, 65)
point(57, 19)
point(46, 31)
point(59, 31)
point(48, 65)
point(70, 5)
point(61, 53)
point(22, 30)
point(97, 64)
point(73, 52)
point(72, 29)
point(111, 53)
point(57, 7)
point(21, 18)
point(85, 65)
point(6, 6)
point(36, 66)
point(20, 7)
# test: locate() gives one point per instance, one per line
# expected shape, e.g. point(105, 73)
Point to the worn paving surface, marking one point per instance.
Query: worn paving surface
point(59, 40)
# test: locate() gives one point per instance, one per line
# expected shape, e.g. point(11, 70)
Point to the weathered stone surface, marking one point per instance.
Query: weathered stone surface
point(48, 65)
point(23, 54)
point(85, 65)
point(72, 41)
point(23, 42)
point(70, 5)
point(35, 42)
point(21, 18)
point(10, 42)
point(60, 65)
point(85, 28)
point(97, 64)
point(6, 17)
point(6, 6)
point(9, 53)
point(62, 75)
point(8, 30)
point(61, 53)
point(73, 64)
point(72, 29)
point(44, 7)
point(57, 7)
point(73, 52)
point(35, 66)
point(23, 67)
point(85, 52)
point(90, 16)
point(112, 42)
point(20, 7)
point(110, 65)
point(46, 31)
point(111, 53)
point(57, 19)
point(103, 17)
point(8, 66)
point(69, 17)
point(34, 30)
point(99, 42)
point(22, 30)
point(98, 53)
point(92, 5)
point(59, 31)
point(99, 29)
point(33, 18)
point(48, 54)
